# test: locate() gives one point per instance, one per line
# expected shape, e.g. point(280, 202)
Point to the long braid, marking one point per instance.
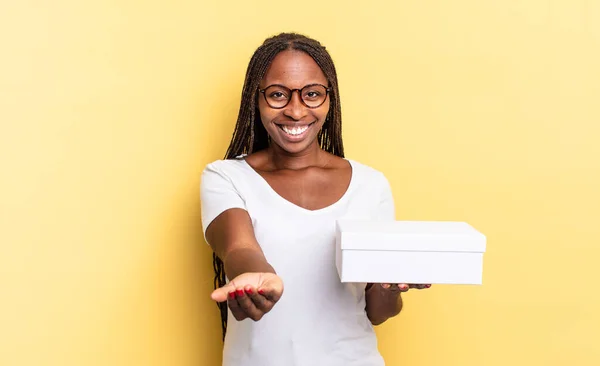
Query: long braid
point(250, 135)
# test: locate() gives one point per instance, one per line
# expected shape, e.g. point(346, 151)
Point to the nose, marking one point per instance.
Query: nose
point(295, 108)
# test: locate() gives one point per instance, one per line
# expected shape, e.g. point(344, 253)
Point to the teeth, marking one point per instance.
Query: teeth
point(294, 130)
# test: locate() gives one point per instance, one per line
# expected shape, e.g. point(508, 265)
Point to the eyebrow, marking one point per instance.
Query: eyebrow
point(325, 84)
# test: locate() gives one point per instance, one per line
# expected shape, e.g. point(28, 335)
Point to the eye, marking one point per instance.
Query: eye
point(312, 94)
point(277, 95)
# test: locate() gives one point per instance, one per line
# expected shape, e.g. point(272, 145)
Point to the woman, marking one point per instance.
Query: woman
point(269, 211)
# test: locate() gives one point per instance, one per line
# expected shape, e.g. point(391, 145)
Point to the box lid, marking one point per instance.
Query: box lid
point(448, 236)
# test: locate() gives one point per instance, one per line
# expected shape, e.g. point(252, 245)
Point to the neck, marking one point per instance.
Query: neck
point(281, 159)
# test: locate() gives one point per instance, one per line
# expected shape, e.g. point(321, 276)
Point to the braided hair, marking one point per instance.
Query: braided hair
point(250, 135)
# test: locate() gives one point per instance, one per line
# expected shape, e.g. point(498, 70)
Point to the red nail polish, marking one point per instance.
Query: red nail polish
point(239, 292)
point(427, 286)
point(261, 291)
point(249, 291)
point(232, 295)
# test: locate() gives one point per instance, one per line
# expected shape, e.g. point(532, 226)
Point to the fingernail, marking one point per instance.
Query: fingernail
point(239, 292)
point(232, 295)
point(249, 291)
point(261, 291)
point(403, 287)
point(427, 286)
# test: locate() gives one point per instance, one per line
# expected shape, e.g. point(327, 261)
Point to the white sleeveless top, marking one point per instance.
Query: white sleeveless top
point(318, 320)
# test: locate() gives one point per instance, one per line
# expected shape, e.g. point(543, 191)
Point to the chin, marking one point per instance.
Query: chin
point(296, 147)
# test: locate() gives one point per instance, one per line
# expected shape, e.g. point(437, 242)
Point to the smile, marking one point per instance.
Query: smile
point(295, 130)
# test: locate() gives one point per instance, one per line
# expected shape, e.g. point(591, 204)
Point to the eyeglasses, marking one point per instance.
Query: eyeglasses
point(278, 96)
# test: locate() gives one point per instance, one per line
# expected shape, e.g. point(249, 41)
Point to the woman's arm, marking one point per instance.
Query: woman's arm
point(254, 287)
point(384, 301)
point(231, 236)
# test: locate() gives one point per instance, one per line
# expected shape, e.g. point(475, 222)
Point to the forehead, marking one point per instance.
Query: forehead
point(294, 69)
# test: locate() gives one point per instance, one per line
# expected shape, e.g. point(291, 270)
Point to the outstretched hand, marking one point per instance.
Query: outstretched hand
point(250, 295)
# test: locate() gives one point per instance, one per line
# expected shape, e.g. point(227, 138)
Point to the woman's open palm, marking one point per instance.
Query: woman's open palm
point(250, 295)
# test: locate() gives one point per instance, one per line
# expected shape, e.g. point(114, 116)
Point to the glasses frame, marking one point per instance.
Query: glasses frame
point(327, 92)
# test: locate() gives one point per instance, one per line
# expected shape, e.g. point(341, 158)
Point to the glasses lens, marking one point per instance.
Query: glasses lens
point(277, 96)
point(314, 95)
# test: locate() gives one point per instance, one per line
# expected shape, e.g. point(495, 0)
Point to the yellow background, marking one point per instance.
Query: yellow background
point(483, 111)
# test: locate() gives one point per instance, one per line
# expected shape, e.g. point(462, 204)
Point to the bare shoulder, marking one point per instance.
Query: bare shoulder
point(258, 160)
point(337, 163)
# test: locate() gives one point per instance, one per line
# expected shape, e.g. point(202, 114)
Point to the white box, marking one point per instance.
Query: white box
point(419, 252)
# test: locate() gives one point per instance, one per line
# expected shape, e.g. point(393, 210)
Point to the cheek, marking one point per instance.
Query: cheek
point(266, 114)
point(322, 114)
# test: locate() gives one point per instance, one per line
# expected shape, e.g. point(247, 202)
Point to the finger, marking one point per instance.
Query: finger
point(391, 287)
point(403, 287)
point(420, 286)
point(247, 305)
point(234, 306)
point(272, 294)
point(220, 294)
point(259, 300)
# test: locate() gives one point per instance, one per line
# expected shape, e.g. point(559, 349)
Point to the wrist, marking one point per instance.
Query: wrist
point(246, 260)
